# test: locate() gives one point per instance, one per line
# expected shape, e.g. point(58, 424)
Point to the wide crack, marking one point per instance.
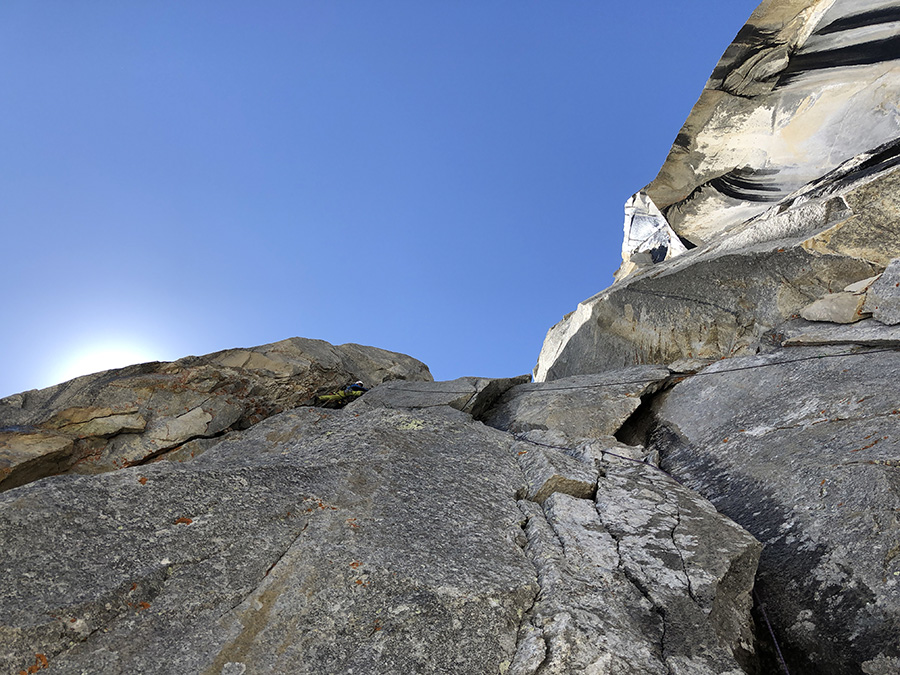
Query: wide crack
point(639, 429)
point(522, 634)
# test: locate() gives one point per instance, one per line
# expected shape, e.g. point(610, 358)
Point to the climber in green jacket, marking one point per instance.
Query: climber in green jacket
point(345, 395)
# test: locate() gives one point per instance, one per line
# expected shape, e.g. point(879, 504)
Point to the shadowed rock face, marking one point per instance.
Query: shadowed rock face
point(134, 415)
point(883, 297)
point(802, 448)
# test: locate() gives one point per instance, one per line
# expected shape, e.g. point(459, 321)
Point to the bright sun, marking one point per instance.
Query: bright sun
point(96, 358)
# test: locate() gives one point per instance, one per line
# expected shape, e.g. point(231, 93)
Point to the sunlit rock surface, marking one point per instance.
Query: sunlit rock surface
point(648, 239)
point(784, 189)
point(805, 86)
point(746, 361)
point(398, 535)
point(731, 296)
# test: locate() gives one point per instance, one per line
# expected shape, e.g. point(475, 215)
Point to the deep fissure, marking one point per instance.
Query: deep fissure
point(639, 429)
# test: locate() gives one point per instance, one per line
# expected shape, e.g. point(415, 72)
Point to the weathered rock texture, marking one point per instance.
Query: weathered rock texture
point(629, 580)
point(133, 415)
point(732, 296)
point(529, 528)
point(883, 296)
point(473, 395)
point(398, 535)
point(579, 408)
point(803, 449)
point(805, 86)
point(317, 542)
point(772, 235)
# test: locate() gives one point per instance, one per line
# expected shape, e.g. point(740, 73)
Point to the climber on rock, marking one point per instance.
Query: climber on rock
point(344, 396)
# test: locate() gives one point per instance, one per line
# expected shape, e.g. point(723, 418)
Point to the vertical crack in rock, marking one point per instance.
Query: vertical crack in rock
point(639, 585)
point(531, 648)
point(685, 559)
point(811, 480)
point(630, 570)
point(252, 618)
point(687, 577)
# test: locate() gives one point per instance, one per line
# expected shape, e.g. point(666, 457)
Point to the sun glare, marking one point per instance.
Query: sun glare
point(102, 357)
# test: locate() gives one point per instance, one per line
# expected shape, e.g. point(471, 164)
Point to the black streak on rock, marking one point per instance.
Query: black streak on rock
point(865, 19)
point(863, 54)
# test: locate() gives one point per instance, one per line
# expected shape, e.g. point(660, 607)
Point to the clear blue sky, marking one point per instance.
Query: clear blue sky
point(441, 178)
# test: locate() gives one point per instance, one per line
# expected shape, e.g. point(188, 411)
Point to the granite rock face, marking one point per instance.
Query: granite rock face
point(883, 296)
point(397, 535)
point(782, 188)
point(806, 92)
point(746, 360)
point(580, 408)
point(317, 542)
point(472, 395)
point(802, 448)
point(620, 581)
point(761, 267)
point(134, 415)
point(733, 296)
point(805, 86)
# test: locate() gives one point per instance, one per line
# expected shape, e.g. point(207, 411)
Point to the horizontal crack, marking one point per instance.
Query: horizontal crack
point(161, 452)
point(888, 463)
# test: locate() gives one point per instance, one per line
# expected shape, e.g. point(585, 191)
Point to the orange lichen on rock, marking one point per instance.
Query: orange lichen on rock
point(866, 447)
point(40, 662)
point(318, 504)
